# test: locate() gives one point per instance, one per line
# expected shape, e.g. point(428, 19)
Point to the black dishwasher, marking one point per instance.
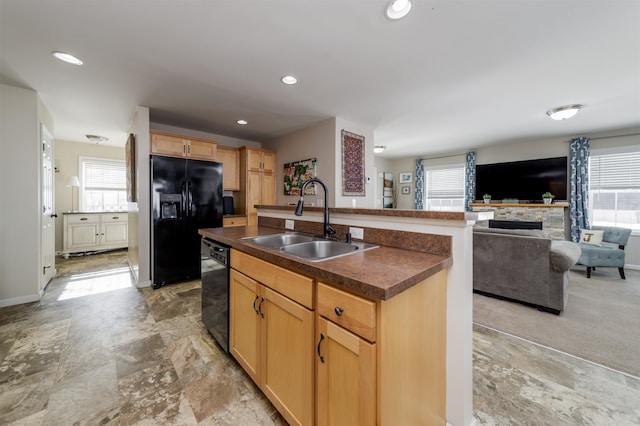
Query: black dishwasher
point(215, 290)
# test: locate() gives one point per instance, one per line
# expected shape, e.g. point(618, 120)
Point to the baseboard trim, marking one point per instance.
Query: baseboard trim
point(632, 267)
point(19, 300)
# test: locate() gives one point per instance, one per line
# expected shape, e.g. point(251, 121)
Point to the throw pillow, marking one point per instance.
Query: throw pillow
point(588, 236)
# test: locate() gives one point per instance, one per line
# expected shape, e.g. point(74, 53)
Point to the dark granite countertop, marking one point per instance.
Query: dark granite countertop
point(380, 273)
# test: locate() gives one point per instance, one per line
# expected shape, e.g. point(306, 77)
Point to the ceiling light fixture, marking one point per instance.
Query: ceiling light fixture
point(564, 112)
point(66, 57)
point(398, 9)
point(289, 79)
point(378, 149)
point(242, 122)
point(97, 138)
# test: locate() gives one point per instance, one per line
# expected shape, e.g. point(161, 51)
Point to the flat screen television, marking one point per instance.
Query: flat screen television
point(523, 180)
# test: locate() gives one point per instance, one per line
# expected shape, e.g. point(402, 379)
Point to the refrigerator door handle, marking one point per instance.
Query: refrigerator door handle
point(183, 207)
point(189, 198)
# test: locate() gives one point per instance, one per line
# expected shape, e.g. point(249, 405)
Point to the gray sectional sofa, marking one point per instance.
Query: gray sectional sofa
point(523, 265)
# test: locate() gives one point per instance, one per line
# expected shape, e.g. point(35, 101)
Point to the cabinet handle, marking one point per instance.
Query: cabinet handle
point(260, 307)
point(254, 304)
point(319, 343)
point(339, 311)
point(84, 218)
point(115, 217)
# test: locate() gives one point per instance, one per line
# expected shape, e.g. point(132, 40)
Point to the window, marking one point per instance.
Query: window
point(444, 188)
point(102, 185)
point(614, 188)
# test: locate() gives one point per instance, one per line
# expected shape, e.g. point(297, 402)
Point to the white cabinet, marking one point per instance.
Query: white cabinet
point(94, 231)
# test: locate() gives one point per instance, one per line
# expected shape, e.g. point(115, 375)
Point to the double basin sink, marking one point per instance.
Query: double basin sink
point(308, 247)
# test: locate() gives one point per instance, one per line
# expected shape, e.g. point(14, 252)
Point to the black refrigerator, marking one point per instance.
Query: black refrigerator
point(186, 196)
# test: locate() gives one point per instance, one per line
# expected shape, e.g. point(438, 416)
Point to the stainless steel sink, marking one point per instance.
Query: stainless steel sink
point(280, 240)
point(309, 247)
point(318, 250)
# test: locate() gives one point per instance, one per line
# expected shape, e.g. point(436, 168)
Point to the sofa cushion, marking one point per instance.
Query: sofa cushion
point(523, 232)
point(590, 236)
point(563, 255)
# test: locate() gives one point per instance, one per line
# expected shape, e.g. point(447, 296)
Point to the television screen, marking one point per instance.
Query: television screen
point(523, 180)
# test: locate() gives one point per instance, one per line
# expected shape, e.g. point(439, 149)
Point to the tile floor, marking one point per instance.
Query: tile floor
point(96, 350)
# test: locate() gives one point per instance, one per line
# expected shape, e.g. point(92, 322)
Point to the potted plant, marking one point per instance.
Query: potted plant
point(487, 198)
point(547, 197)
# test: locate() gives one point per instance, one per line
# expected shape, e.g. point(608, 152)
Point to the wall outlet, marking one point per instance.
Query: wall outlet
point(357, 233)
point(289, 224)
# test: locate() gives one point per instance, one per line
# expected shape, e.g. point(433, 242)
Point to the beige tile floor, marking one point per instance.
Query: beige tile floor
point(96, 350)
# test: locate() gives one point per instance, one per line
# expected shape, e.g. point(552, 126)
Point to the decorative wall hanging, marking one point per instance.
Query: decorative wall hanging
point(406, 177)
point(130, 153)
point(353, 179)
point(297, 173)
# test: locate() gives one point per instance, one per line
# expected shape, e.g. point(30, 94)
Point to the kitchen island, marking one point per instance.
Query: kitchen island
point(386, 359)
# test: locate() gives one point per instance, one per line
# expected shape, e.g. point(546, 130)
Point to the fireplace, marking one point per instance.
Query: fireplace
point(514, 224)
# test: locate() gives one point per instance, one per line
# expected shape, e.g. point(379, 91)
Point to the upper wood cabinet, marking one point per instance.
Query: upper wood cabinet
point(230, 159)
point(183, 146)
point(257, 181)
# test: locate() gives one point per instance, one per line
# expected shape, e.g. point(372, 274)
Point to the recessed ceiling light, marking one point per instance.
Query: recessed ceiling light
point(398, 9)
point(66, 57)
point(289, 79)
point(97, 138)
point(378, 149)
point(242, 122)
point(564, 112)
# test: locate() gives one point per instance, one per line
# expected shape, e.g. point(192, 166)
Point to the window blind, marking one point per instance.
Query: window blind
point(614, 171)
point(100, 174)
point(445, 183)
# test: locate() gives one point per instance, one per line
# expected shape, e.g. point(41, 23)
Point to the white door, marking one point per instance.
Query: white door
point(48, 215)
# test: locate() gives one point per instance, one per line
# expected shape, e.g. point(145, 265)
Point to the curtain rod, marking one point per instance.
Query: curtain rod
point(443, 156)
point(606, 137)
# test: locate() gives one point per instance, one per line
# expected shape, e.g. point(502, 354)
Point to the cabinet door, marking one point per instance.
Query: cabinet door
point(244, 322)
point(83, 236)
point(201, 150)
point(254, 196)
point(346, 378)
point(268, 189)
point(230, 159)
point(287, 342)
point(173, 146)
point(114, 233)
point(269, 161)
point(254, 160)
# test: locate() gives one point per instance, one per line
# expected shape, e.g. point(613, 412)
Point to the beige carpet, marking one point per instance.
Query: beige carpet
point(601, 322)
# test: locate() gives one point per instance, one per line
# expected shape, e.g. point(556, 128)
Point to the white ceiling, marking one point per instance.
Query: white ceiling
point(451, 75)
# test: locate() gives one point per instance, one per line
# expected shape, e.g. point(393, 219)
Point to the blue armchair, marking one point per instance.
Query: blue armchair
point(611, 253)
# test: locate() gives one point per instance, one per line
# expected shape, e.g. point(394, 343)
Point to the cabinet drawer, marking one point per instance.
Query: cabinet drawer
point(234, 221)
point(352, 312)
point(83, 218)
point(115, 217)
point(290, 284)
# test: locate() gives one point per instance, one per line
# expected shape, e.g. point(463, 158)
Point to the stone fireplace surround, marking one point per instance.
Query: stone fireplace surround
point(553, 216)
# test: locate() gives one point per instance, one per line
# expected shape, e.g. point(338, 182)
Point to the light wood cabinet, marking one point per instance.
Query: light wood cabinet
point(271, 336)
point(382, 362)
point(376, 361)
point(94, 232)
point(234, 221)
point(257, 180)
point(183, 147)
point(230, 159)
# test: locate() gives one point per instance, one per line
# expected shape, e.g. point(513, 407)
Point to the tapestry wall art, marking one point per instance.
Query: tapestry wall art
point(297, 173)
point(353, 179)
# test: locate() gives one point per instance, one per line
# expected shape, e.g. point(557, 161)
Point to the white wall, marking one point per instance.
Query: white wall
point(315, 141)
point(21, 113)
point(67, 154)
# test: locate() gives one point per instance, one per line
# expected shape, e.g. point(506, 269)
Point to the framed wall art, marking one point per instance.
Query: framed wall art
point(297, 173)
point(353, 178)
point(406, 178)
point(406, 190)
